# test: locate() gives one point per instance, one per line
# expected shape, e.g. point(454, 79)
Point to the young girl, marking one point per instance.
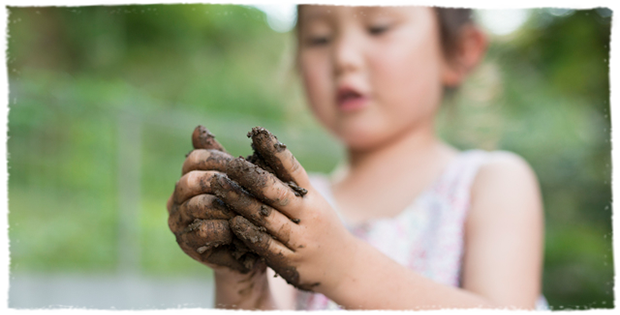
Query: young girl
point(410, 222)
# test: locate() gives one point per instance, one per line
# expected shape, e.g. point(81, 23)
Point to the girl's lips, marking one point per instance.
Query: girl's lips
point(350, 100)
point(352, 104)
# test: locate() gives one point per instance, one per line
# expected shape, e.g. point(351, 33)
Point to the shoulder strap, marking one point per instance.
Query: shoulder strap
point(455, 186)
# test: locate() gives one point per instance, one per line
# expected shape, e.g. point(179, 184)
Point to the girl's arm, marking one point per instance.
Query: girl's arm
point(243, 291)
point(502, 261)
point(504, 236)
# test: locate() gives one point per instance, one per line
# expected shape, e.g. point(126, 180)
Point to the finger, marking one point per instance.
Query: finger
point(279, 158)
point(205, 206)
point(206, 234)
point(203, 139)
point(251, 208)
point(206, 160)
point(216, 247)
point(223, 256)
point(192, 184)
point(275, 223)
point(276, 255)
point(265, 186)
point(220, 256)
point(257, 240)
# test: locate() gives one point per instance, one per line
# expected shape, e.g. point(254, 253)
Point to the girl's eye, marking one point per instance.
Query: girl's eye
point(378, 30)
point(317, 41)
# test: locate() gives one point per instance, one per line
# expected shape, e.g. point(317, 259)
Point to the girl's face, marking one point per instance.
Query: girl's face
point(371, 74)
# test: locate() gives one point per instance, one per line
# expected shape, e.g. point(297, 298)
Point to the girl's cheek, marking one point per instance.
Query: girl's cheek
point(316, 79)
point(409, 72)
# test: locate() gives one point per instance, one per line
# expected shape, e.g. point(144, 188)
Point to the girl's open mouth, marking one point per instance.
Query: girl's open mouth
point(349, 99)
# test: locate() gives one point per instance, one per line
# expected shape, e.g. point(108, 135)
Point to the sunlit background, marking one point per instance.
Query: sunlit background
point(103, 100)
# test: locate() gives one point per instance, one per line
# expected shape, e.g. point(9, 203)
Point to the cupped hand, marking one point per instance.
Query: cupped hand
point(283, 218)
point(198, 219)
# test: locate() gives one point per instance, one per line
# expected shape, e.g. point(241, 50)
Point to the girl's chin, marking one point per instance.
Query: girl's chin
point(360, 140)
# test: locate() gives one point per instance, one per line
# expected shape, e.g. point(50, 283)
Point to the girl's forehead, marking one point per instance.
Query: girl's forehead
point(310, 9)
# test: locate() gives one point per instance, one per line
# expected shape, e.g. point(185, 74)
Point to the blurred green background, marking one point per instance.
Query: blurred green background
point(103, 101)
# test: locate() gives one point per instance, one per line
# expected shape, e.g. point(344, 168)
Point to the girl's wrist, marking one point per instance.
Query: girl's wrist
point(229, 277)
point(242, 291)
point(343, 268)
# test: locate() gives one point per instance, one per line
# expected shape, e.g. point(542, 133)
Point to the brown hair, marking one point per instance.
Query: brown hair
point(451, 20)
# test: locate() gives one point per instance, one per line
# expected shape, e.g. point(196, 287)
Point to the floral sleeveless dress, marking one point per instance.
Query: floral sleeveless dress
point(427, 236)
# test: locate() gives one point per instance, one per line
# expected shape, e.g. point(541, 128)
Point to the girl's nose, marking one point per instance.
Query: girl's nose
point(347, 54)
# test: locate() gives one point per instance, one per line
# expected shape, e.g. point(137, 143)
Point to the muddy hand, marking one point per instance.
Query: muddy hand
point(266, 231)
point(198, 219)
point(287, 223)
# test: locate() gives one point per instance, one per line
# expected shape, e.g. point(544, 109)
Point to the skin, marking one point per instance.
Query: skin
point(393, 154)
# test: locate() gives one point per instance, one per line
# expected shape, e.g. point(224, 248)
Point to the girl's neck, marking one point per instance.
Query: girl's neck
point(418, 144)
point(381, 182)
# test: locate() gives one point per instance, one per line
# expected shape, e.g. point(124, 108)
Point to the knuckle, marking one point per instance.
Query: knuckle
point(197, 178)
point(295, 166)
point(184, 181)
point(192, 178)
point(197, 156)
point(192, 160)
point(283, 195)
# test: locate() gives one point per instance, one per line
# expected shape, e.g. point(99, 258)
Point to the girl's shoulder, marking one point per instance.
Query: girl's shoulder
point(503, 169)
point(505, 190)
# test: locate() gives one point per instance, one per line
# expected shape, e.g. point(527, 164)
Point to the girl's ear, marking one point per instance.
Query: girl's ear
point(468, 52)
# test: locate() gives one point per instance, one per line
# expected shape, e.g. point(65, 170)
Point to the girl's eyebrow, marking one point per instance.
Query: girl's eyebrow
point(380, 10)
point(313, 16)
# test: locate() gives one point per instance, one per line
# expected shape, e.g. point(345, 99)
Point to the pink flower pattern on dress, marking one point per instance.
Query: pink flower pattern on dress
point(427, 236)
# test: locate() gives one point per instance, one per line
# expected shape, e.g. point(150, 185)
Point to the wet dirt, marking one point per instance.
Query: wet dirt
point(207, 207)
point(266, 145)
point(249, 175)
point(239, 199)
point(260, 241)
point(222, 256)
point(206, 160)
point(299, 192)
point(258, 160)
point(203, 139)
point(209, 233)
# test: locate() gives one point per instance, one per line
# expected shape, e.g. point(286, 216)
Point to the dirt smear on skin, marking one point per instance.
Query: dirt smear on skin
point(250, 175)
point(239, 199)
point(266, 146)
point(261, 241)
point(206, 207)
point(203, 139)
point(206, 159)
point(207, 233)
point(248, 286)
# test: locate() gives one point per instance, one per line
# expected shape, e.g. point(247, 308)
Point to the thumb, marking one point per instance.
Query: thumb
point(278, 157)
